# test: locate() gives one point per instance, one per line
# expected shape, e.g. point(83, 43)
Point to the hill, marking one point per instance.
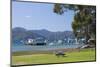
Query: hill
point(19, 34)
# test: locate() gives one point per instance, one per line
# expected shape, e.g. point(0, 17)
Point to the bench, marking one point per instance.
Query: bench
point(60, 53)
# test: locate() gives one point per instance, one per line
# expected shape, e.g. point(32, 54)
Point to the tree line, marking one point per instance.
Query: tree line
point(84, 22)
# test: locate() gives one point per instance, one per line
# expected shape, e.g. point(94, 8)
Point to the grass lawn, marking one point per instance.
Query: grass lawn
point(75, 56)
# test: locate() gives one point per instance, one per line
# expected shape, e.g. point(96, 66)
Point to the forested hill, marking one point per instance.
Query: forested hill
point(19, 34)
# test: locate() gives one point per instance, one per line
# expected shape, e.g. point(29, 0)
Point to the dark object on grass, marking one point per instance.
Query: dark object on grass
point(87, 46)
point(60, 53)
point(92, 41)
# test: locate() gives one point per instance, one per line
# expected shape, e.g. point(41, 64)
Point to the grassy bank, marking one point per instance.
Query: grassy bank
point(19, 53)
point(42, 58)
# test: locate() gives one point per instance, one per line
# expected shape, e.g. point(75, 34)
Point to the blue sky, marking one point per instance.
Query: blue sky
point(36, 16)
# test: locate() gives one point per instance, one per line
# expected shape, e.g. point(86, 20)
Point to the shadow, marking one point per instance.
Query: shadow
point(61, 55)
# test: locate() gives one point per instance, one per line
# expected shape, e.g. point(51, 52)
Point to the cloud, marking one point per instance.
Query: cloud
point(27, 16)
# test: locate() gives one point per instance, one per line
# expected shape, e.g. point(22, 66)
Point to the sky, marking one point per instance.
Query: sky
point(36, 16)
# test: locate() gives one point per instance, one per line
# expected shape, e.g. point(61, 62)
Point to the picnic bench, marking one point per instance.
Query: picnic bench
point(60, 53)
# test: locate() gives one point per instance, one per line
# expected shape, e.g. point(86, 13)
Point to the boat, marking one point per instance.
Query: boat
point(37, 41)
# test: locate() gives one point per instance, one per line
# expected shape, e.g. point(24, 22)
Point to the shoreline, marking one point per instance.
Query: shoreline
point(18, 53)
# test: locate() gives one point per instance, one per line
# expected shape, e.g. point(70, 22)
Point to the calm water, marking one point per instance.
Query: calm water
point(22, 47)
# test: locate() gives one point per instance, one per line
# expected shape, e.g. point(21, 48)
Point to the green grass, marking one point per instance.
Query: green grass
point(75, 56)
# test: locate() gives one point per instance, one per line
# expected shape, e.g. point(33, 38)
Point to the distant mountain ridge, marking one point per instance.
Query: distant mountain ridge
point(19, 34)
